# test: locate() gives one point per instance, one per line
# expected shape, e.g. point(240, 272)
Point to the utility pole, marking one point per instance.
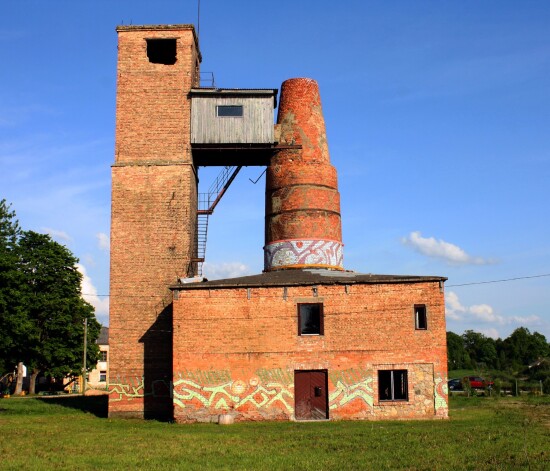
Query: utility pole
point(84, 356)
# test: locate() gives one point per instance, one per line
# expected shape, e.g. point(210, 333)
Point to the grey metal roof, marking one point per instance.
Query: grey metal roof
point(249, 92)
point(306, 276)
point(103, 338)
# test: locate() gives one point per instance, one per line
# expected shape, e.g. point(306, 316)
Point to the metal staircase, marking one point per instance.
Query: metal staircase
point(206, 204)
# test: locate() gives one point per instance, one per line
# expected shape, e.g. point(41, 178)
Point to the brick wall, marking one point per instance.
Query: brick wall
point(237, 350)
point(153, 216)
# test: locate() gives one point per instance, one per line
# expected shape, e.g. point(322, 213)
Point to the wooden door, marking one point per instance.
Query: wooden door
point(310, 395)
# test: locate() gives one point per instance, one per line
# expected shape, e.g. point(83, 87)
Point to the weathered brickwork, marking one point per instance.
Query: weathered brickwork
point(236, 350)
point(228, 347)
point(153, 216)
point(302, 199)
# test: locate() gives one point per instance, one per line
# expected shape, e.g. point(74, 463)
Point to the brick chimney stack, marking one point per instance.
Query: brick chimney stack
point(303, 226)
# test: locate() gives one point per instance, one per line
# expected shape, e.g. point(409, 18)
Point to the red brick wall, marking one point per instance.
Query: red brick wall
point(238, 355)
point(153, 217)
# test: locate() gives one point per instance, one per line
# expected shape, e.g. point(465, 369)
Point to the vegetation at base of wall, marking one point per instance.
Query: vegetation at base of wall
point(482, 433)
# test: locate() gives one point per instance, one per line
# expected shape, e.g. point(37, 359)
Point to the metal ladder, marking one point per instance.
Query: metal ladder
point(206, 204)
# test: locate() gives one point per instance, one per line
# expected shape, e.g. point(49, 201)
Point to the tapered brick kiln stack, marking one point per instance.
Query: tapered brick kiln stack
point(303, 227)
point(303, 340)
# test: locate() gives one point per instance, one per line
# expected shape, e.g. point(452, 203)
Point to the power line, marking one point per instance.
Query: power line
point(498, 281)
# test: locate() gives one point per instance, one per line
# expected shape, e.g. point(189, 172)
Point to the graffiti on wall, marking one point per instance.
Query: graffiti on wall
point(344, 393)
point(265, 389)
point(235, 394)
point(440, 394)
point(134, 388)
point(303, 252)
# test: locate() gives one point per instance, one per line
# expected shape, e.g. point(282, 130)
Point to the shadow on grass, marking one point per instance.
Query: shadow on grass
point(97, 405)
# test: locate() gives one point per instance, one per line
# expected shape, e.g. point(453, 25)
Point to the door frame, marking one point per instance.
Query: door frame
point(325, 385)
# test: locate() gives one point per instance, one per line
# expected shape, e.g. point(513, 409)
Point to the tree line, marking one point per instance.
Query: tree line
point(515, 354)
point(42, 311)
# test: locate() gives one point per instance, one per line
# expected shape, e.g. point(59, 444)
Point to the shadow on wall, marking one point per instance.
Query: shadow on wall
point(157, 368)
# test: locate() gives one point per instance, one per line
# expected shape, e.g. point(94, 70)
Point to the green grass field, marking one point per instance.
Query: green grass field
point(70, 433)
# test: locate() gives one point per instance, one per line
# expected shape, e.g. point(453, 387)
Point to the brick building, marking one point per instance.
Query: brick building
point(303, 340)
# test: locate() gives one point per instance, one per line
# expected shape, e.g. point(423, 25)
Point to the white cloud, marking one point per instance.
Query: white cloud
point(490, 332)
point(56, 234)
point(454, 309)
point(483, 314)
point(89, 293)
point(217, 271)
point(432, 247)
point(103, 241)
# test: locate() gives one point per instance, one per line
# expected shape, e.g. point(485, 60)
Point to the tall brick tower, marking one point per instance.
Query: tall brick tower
point(154, 201)
point(303, 227)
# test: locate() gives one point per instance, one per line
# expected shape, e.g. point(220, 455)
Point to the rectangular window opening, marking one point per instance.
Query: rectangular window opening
point(392, 385)
point(229, 111)
point(420, 317)
point(310, 319)
point(102, 376)
point(162, 51)
point(102, 355)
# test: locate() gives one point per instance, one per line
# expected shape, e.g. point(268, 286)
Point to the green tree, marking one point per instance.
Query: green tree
point(481, 349)
point(13, 325)
point(456, 355)
point(51, 298)
point(522, 347)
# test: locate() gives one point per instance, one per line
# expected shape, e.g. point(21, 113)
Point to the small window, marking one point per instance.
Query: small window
point(162, 51)
point(102, 376)
point(310, 319)
point(420, 318)
point(392, 385)
point(228, 111)
point(102, 355)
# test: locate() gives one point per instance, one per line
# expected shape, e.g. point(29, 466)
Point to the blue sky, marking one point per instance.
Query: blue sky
point(437, 113)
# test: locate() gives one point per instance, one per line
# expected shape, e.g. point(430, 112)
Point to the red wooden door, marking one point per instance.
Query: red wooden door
point(310, 395)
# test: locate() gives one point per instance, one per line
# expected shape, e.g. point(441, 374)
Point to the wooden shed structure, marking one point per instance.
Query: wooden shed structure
point(232, 116)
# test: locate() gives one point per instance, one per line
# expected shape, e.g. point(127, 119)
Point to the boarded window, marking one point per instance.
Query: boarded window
point(162, 51)
point(392, 385)
point(310, 319)
point(228, 111)
point(420, 317)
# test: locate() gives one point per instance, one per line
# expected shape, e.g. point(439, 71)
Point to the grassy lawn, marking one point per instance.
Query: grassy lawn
point(69, 433)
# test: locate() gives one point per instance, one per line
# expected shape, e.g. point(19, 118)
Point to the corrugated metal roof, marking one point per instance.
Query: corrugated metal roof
point(307, 276)
point(250, 92)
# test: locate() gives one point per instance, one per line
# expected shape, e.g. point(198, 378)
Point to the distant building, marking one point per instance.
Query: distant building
point(98, 378)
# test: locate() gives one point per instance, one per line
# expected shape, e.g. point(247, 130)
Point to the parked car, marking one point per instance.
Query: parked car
point(455, 384)
point(477, 382)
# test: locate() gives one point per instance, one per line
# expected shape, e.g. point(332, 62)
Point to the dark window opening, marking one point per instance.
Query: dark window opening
point(162, 51)
point(102, 376)
point(102, 355)
point(310, 319)
point(420, 318)
point(392, 385)
point(225, 111)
